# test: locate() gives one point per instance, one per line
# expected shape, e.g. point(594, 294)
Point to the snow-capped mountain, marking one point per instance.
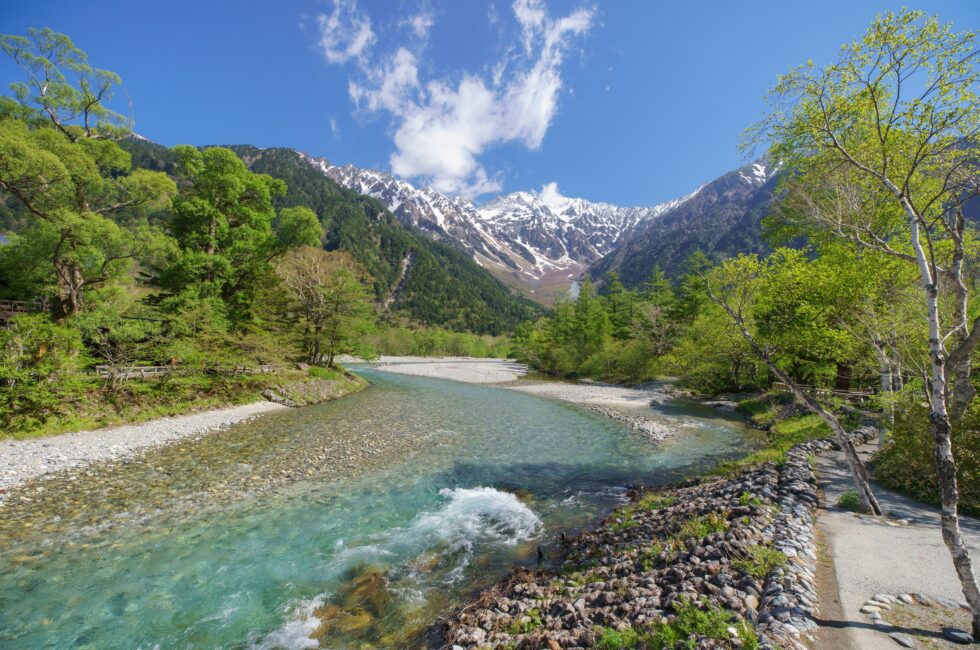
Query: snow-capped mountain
point(722, 219)
point(539, 242)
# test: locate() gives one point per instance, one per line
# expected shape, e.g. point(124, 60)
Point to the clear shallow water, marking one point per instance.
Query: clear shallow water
point(483, 476)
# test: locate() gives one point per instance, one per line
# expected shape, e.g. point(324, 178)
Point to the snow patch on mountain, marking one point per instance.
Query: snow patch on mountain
point(531, 240)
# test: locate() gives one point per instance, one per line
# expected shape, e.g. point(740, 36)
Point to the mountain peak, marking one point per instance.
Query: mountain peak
point(537, 241)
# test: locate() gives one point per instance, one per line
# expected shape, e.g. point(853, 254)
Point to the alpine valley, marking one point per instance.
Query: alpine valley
point(414, 239)
point(542, 243)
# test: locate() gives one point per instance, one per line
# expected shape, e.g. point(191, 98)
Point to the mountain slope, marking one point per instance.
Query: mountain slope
point(537, 242)
point(429, 281)
point(722, 218)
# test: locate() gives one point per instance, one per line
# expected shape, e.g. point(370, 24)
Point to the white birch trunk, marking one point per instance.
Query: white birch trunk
point(942, 428)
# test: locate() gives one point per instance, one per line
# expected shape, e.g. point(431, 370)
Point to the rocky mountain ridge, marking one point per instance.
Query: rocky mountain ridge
point(539, 242)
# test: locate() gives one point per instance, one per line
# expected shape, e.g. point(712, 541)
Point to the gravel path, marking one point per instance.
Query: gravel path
point(22, 460)
point(873, 557)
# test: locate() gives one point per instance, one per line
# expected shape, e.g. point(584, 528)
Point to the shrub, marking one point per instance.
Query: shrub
point(527, 623)
point(761, 562)
point(610, 639)
point(319, 372)
point(653, 501)
point(849, 501)
point(702, 526)
point(907, 461)
point(691, 619)
point(39, 362)
point(781, 437)
point(746, 499)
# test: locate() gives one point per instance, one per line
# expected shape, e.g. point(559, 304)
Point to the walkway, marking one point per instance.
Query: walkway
point(872, 557)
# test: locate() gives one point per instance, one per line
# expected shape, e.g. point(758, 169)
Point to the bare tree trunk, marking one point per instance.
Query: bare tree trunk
point(885, 390)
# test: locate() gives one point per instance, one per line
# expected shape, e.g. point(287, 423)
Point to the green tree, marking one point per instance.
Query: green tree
point(331, 299)
point(58, 159)
point(735, 286)
point(895, 123)
point(590, 327)
point(228, 231)
point(620, 307)
point(657, 290)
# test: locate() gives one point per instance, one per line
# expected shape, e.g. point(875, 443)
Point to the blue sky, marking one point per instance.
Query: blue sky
point(631, 102)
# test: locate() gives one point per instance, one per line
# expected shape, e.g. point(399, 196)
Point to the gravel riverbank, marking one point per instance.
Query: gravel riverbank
point(627, 405)
point(22, 460)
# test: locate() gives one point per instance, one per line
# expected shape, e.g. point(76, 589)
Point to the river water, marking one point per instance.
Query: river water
point(271, 535)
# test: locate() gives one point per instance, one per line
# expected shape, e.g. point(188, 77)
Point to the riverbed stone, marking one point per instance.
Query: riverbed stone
point(903, 639)
point(957, 635)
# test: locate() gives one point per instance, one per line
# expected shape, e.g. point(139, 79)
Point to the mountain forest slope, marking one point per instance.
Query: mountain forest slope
point(430, 281)
point(722, 219)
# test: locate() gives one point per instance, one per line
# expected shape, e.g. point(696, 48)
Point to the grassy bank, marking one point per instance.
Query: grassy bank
point(785, 424)
point(93, 404)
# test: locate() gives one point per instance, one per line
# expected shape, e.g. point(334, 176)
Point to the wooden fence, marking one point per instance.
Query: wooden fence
point(123, 373)
point(10, 308)
point(855, 395)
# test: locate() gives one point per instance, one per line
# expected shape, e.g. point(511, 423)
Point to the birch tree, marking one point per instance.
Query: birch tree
point(899, 115)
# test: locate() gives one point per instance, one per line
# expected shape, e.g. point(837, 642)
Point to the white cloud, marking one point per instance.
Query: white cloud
point(550, 196)
point(390, 88)
point(420, 24)
point(345, 33)
point(441, 127)
point(334, 129)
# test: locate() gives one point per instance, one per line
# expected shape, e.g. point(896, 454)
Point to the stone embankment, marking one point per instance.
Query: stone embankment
point(741, 549)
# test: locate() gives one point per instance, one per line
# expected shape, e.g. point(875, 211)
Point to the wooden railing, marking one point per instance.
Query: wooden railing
point(122, 373)
point(133, 372)
point(10, 308)
point(855, 394)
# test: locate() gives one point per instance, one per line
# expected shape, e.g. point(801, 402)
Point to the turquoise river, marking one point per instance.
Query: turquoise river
point(271, 534)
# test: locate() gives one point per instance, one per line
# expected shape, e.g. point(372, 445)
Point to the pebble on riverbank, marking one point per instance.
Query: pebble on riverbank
point(25, 460)
point(742, 547)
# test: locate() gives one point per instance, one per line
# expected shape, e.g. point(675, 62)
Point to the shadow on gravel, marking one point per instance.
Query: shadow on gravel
point(858, 625)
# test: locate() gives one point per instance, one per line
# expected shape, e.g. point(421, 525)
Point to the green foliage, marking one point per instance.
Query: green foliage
point(694, 620)
point(707, 621)
point(526, 623)
point(437, 342)
point(612, 639)
point(68, 184)
point(907, 460)
point(39, 362)
point(319, 372)
point(654, 501)
point(61, 85)
point(59, 162)
point(781, 436)
point(746, 499)
point(222, 222)
point(850, 500)
point(761, 562)
point(330, 300)
point(712, 357)
point(702, 526)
